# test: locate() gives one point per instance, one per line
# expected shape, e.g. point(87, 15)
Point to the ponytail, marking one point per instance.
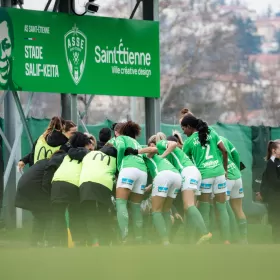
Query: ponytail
point(199, 125)
point(56, 123)
point(178, 136)
point(156, 138)
point(173, 139)
point(152, 140)
point(203, 131)
point(160, 136)
point(92, 139)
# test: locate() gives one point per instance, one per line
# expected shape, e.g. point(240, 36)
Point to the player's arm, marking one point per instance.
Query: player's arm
point(170, 147)
point(28, 159)
point(224, 152)
point(148, 150)
point(120, 146)
point(235, 155)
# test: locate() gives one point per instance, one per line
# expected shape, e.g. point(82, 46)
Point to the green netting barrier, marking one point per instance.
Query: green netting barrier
point(251, 143)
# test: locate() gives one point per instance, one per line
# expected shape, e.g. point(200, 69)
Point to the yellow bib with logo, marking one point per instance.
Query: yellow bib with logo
point(43, 150)
point(69, 171)
point(99, 168)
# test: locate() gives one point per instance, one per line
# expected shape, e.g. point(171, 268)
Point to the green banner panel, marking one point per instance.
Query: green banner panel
point(52, 52)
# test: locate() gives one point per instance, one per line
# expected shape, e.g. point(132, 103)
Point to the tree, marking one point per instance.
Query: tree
point(198, 51)
point(195, 41)
point(269, 11)
point(270, 86)
point(197, 45)
point(246, 38)
point(235, 2)
point(277, 39)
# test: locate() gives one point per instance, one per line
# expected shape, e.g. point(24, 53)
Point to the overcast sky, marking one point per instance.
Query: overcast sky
point(40, 4)
point(261, 5)
point(258, 5)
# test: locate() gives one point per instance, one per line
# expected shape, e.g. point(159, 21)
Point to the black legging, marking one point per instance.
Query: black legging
point(59, 235)
point(273, 210)
point(41, 226)
point(99, 222)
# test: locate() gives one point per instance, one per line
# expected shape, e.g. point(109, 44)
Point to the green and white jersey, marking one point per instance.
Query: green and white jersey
point(233, 170)
point(207, 159)
point(121, 144)
point(177, 158)
point(157, 164)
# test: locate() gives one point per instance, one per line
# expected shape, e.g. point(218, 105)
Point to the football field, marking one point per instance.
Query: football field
point(257, 261)
point(143, 262)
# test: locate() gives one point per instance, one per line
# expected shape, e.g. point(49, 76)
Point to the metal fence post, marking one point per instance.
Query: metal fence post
point(152, 105)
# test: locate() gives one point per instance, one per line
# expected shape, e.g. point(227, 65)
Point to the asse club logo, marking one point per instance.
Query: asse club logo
point(75, 43)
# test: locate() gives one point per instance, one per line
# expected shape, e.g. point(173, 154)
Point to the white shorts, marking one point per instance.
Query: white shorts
point(235, 189)
point(214, 185)
point(167, 184)
point(133, 179)
point(191, 179)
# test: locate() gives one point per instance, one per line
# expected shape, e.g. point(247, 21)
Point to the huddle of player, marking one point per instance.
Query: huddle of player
point(204, 170)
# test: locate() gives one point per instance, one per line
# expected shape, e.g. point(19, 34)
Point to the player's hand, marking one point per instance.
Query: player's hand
point(148, 188)
point(113, 200)
point(258, 196)
point(226, 175)
point(21, 165)
point(172, 219)
point(179, 217)
point(131, 151)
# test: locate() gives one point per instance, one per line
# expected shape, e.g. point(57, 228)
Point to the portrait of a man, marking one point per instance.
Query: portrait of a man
point(6, 48)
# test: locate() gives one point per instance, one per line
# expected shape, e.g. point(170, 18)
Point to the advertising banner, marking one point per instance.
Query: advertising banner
point(61, 53)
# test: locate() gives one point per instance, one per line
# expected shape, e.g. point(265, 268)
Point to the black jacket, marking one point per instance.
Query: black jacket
point(54, 139)
point(270, 185)
point(77, 153)
point(34, 186)
point(100, 145)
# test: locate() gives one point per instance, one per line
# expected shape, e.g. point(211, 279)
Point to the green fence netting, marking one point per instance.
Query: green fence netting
point(250, 142)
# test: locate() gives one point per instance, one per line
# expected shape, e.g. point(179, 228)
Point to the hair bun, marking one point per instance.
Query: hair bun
point(184, 111)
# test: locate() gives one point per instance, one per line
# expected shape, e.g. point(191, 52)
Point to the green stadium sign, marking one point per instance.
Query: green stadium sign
point(51, 52)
